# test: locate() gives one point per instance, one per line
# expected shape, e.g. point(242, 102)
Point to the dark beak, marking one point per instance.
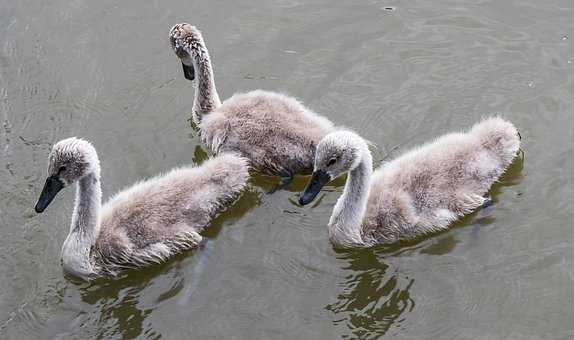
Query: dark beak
point(188, 72)
point(52, 186)
point(318, 181)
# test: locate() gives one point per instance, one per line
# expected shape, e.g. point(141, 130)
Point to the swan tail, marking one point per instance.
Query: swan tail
point(499, 136)
point(230, 170)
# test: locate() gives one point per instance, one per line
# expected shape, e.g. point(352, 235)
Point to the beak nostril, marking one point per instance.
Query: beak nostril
point(188, 72)
point(180, 52)
point(318, 179)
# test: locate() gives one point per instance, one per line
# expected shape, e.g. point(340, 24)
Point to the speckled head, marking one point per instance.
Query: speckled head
point(70, 160)
point(186, 41)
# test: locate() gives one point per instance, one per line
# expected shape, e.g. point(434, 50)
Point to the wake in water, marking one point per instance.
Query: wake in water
point(196, 271)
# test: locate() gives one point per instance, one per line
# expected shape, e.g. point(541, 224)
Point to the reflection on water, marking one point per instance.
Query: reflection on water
point(124, 303)
point(374, 296)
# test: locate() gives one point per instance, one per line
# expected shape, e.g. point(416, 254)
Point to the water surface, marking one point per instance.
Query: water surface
point(398, 72)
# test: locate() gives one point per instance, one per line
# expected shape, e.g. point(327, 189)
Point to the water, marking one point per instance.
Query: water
point(398, 72)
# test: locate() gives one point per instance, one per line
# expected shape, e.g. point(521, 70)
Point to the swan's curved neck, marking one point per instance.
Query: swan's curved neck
point(346, 221)
point(206, 98)
point(85, 227)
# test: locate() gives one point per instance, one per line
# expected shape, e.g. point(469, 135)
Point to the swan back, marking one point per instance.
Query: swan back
point(429, 187)
point(274, 131)
point(184, 199)
point(162, 216)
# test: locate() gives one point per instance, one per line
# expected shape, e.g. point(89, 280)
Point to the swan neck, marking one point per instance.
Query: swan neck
point(87, 206)
point(85, 226)
point(345, 226)
point(206, 98)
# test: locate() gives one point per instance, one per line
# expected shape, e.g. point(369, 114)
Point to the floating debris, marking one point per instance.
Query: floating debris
point(390, 9)
point(252, 77)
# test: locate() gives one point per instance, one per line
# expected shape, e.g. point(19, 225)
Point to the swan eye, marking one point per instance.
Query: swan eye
point(331, 161)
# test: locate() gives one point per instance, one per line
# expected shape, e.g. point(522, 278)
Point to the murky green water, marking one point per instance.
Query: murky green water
point(398, 72)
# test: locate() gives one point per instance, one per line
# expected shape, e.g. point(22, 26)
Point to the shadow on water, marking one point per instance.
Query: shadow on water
point(199, 155)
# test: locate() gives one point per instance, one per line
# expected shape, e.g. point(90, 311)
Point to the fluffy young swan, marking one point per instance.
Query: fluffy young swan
point(420, 192)
point(275, 132)
point(144, 224)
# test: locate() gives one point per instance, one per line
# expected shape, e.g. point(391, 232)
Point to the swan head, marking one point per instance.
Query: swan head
point(70, 160)
point(186, 41)
point(337, 153)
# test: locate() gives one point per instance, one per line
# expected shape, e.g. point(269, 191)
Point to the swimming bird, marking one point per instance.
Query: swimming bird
point(420, 192)
point(143, 224)
point(274, 131)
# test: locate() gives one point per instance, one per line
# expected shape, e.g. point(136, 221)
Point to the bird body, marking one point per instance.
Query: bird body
point(276, 132)
point(145, 224)
point(420, 192)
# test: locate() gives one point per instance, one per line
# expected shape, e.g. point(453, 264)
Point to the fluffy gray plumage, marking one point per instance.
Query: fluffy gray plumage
point(146, 223)
point(420, 192)
point(275, 132)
